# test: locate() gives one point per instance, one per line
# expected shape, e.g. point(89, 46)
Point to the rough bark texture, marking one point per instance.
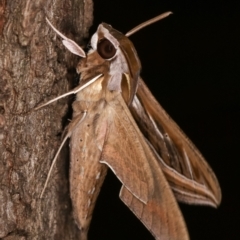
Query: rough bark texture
point(35, 67)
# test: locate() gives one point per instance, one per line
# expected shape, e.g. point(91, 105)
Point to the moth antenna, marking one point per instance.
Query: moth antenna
point(55, 158)
point(73, 91)
point(68, 43)
point(148, 22)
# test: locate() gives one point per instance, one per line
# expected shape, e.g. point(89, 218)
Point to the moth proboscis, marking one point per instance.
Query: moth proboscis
point(118, 124)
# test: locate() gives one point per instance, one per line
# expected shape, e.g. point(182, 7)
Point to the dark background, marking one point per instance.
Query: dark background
point(191, 63)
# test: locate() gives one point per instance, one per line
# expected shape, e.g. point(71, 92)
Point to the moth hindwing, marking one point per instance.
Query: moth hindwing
point(118, 124)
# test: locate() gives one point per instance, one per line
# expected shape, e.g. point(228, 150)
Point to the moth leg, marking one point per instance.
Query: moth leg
point(73, 91)
point(78, 120)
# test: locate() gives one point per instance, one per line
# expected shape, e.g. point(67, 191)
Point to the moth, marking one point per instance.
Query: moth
point(118, 124)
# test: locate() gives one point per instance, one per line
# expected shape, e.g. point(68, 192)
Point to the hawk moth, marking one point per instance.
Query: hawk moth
point(118, 124)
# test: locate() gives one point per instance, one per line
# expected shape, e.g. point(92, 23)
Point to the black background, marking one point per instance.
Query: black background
point(190, 61)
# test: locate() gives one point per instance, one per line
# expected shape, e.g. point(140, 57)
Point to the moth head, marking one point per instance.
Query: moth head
point(112, 55)
point(104, 43)
point(114, 50)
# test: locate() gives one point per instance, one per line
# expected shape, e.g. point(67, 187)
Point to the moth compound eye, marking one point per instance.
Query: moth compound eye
point(106, 49)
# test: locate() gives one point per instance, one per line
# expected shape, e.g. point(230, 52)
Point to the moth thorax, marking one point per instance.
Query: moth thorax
point(91, 93)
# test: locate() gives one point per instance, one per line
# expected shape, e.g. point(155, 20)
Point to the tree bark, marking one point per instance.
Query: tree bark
point(35, 67)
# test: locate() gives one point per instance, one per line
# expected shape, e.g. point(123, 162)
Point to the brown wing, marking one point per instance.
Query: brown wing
point(187, 172)
point(126, 152)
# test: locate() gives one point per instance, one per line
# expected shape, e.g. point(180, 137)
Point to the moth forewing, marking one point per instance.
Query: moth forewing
point(134, 159)
point(191, 178)
point(150, 159)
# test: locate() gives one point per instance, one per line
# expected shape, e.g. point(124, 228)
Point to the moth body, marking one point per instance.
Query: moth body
point(118, 124)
